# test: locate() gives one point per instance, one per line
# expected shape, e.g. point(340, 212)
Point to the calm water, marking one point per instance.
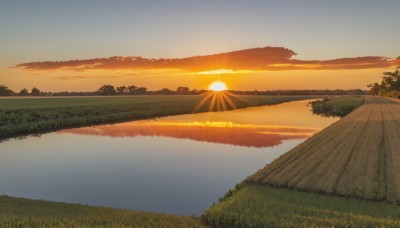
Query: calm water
point(179, 164)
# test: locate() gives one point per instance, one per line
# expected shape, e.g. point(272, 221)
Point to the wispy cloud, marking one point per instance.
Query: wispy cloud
point(256, 59)
point(65, 78)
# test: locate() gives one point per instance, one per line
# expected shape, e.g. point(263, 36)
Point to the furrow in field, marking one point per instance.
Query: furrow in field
point(355, 174)
point(358, 156)
point(302, 150)
point(325, 176)
point(293, 170)
point(393, 145)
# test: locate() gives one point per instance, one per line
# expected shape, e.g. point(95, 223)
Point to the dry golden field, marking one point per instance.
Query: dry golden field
point(358, 156)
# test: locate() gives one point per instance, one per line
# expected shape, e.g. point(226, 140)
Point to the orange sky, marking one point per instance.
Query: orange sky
point(267, 68)
point(157, 79)
point(82, 45)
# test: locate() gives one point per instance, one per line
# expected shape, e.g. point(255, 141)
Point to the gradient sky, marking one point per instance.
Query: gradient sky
point(48, 30)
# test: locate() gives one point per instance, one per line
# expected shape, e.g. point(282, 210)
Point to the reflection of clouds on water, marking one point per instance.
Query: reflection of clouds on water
point(224, 132)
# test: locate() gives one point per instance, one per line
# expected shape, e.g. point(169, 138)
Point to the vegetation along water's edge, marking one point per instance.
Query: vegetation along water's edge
point(19, 212)
point(254, 205)
point(37, 115)
point(336, 106)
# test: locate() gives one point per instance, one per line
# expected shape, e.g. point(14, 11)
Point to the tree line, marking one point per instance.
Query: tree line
point(389, 86)
point(110, 90)
point(105, 90)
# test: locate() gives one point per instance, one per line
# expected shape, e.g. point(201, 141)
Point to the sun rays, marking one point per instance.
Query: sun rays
point(218, 101)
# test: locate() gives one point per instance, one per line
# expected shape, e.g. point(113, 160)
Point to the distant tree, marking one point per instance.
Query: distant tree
point(35, 91)
point(182, 90)
point(131, 89)
point(5, 91)
point(23, 92)
point(389, 86)
point(107, 90)
point(141, 90)
point(374, 89)
point(392, 79)
point(165, 91)
point(121, 90)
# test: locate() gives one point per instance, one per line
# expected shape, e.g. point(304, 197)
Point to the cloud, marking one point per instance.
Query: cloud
point(215, 132)
point(65, 78)
point(255, 59)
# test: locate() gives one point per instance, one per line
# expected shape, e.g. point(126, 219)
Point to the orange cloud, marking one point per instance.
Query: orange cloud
point(215, 132)
point(256, 59)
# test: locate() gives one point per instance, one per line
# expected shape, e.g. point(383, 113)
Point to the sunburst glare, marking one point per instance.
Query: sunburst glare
point(218, 86)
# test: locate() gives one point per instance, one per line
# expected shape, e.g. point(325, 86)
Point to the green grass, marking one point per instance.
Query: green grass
point(336, 106)
point(35, 115)
point(18, 212)
point(253, 205)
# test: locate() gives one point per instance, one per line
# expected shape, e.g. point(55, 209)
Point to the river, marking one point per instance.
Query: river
point(179, 164)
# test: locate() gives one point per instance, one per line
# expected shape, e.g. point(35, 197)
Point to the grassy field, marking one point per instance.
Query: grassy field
point(358, 156)
point(336, 106)
point(36, 115)
point(17, 212)
point(253, 205)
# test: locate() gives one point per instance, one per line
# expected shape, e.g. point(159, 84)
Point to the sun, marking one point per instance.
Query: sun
point(218, 86)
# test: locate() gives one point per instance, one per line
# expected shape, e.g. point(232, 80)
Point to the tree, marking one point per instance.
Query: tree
point(35, 91)
point(107, 90)
point(5, 91)
point(122, 90)
point(131, 89)
point(165, 91)
point(23, 92)
point(141, 90)
point(389, 86)
point(392, 79)
point(374, 89)
point(182, 90)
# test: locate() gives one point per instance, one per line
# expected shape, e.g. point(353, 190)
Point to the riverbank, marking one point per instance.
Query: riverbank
point(254, 205)
point(345, 175)
point(338, 106)
point(34, 116)
point(19, 212)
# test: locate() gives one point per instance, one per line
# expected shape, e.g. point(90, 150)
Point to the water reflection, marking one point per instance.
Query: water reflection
point(168, 165)
point(224, 132)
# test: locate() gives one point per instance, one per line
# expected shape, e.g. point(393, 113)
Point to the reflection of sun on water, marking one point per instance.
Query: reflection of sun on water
point(218, 86)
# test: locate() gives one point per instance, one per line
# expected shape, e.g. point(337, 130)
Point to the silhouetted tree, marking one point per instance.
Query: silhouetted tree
point(389, 86)
point(35, 91)
point(182, 90)
point(374, 89)
point(122, 90)
point(392, 79)
point(165, 91)
point(5, 91)
point(107, 90)
point(140, 90)
point(23, 92)
point(131, 89)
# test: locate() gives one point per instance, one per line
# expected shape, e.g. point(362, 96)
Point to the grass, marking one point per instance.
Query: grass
point(35, 115)
point(18, 212)
point(357, 156)
point(252, 205)
point(336, 106)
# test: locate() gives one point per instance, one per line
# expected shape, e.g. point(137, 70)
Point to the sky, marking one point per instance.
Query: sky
point(47, 31)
